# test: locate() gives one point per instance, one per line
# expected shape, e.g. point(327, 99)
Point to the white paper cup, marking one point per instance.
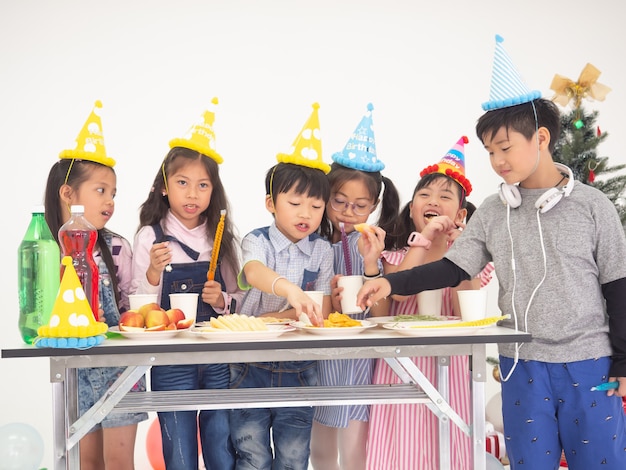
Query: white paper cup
point(351, 286)
point(316, 295)
point(473, 304)
point(187, 302)
point(429, 302)
point(139, 300)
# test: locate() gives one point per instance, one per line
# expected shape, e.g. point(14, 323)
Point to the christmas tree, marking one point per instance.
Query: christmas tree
point(580, 136)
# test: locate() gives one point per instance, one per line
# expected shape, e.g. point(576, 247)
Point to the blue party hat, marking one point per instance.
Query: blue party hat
point(360, 151)
point(507, 86)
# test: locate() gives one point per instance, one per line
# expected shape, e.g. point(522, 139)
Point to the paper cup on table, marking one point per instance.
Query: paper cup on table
point(473, 304)
point(187, 302)
point(429, 302)
point(351, 286)
point(139, 300)
point(317, 296)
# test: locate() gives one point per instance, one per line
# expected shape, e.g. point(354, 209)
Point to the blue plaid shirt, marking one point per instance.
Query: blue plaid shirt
point(308, 264)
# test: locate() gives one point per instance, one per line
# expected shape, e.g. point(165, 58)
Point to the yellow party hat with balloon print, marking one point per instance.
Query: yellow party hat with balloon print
point(90, 141)
point(306, 149)
point(72, 323)
point(201, 136)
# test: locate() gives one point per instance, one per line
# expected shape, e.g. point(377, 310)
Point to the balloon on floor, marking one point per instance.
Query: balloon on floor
point(21, 447)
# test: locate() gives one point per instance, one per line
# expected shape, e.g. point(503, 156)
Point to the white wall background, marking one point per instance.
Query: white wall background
point(156, 64)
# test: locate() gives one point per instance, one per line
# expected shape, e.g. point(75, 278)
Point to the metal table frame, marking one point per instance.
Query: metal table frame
point(396, 350)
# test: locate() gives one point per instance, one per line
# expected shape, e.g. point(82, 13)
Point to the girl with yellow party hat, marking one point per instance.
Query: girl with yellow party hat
point(174, 249)
point(84, 176)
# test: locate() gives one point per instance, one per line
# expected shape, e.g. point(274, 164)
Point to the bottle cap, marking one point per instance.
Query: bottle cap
point(38, 209)
point(77, 208)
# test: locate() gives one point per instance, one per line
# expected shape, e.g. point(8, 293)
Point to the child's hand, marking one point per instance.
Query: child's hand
point(372, 291)
point(335, 293)
point(371, 244)
point(302, 303)
point(442, 224)
point(212, 294)
point(160, 257)
point(621, 391)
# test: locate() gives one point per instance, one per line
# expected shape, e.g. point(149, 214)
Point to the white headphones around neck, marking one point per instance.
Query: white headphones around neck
point(510, 195)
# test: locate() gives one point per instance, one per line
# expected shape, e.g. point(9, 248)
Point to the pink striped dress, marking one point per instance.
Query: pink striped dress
point(405, 437)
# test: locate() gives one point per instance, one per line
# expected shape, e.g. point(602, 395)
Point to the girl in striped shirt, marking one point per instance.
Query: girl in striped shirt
point(405, 437)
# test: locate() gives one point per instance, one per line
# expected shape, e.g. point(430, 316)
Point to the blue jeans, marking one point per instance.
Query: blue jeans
point(179, 429)
point(290, 427)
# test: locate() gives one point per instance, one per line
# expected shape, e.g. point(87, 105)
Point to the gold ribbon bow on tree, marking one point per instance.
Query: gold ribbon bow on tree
point(587, 86)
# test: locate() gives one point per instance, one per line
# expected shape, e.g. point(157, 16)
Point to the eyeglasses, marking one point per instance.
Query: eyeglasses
point(359, 208)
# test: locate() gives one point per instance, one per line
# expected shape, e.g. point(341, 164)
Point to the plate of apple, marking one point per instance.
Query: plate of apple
point(150, 322)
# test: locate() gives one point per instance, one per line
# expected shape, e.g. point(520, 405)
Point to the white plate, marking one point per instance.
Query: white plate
point(209, 332)
point(399, 319)
point(414, 329)
point(146, 335)
point(334, 331)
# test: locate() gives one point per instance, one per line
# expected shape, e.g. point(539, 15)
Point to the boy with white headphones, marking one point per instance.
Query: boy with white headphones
point(559, 249)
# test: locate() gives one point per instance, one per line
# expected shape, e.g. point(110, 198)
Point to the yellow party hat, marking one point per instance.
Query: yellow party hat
point(71, 317)
point(201, 136)
point(90, 142)
point(306, 150)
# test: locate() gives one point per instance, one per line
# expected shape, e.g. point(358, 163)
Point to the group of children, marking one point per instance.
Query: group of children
point(310, 243)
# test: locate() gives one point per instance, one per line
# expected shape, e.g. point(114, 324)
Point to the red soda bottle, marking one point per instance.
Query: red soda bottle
point(77, 238)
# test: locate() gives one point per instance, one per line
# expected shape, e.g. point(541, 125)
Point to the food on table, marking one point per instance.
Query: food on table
point(340, 320)
point(483, 322)
point(151, 317)
point(238, 322)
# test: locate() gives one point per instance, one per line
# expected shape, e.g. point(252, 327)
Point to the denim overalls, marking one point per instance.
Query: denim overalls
point(179, 429)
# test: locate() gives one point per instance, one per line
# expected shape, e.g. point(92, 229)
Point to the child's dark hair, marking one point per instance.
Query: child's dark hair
point(404, 227)
point(311, 182)
point(54, 206)
point(521, 118)
point(155, 207)
point(375, 182)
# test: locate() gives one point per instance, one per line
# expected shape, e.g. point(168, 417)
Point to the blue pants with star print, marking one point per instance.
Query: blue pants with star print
point(548, 407)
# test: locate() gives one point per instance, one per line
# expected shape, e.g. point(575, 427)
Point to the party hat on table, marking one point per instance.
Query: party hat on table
point(507, 86)
point(360, 151)
point(201, 136)
point(72, 323)
point(306, 149)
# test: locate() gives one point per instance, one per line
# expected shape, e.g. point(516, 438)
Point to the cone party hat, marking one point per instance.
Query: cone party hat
point(452, 164)
point(201, 136)
point(90, 141)
point(306, 149)
point(507, 86)
point(72, 323)
point(360, 151)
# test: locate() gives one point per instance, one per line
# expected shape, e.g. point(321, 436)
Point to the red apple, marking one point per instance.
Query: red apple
point(175, 315)
point(144, 309)
point(156, 318)
point(185, 323)
point(131, 318)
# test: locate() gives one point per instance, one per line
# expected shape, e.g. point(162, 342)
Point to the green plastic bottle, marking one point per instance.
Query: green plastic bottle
point(38, 275)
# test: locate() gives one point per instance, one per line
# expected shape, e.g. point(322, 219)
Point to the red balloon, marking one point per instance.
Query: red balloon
point(154, 445)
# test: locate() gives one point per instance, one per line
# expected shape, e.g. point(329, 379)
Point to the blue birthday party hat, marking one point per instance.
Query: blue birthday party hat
point(507, 86)
point(360, 151)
